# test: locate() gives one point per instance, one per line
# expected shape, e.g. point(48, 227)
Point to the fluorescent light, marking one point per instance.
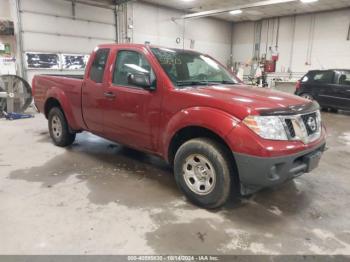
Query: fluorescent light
point(308, 1)
point(236, 12)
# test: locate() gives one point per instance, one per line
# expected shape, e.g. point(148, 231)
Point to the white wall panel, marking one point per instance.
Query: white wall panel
point(154, 24)
point(94, 13)
point(64, 35)
point(52, 6)
point(285, 43)
point(243, 41)
point(5, 9)
point(60, 44)
point(57, 25)
point(301, 42)
point(330, 49)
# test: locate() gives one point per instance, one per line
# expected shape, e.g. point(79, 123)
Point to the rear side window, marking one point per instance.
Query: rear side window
point(344, 79)
point(98, 65)
point(305, 78)
point(323, 77)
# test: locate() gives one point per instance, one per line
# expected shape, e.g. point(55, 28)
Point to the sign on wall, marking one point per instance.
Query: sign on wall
point(74, 61)
point(42, 61)
point(36, 60)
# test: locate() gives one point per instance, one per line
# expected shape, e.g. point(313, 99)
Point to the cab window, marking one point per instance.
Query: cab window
point(128, 63)
point(344, 79)
point(324, 77)
point(98, 65)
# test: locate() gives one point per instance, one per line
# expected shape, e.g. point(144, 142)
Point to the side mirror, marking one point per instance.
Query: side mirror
point(141, 80)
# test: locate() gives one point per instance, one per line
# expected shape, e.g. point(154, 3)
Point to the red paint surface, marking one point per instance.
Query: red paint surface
point(148, 120)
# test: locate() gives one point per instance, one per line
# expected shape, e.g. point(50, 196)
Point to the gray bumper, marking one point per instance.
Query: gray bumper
point(256, 173)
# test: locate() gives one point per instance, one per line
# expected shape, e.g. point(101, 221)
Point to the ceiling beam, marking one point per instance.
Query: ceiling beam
point(226, 10)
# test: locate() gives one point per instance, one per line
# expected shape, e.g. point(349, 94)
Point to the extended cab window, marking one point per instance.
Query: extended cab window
point(98, 65)
point(324, 77)
point(128, 63)
point(344, 79)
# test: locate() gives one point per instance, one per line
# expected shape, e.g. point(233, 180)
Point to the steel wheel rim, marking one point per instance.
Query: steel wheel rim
point(56, 127)
point(308, 97)
point(199, 174)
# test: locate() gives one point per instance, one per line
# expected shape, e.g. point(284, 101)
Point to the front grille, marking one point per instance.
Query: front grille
point(290, 127)
point(309, 128)
point(306, 128)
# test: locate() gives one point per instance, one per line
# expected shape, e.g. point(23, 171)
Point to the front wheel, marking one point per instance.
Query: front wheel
point(58, 128)
point(202, 170)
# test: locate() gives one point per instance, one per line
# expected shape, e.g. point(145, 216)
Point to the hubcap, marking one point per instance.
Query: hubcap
point(199, 174)
point(56, 127)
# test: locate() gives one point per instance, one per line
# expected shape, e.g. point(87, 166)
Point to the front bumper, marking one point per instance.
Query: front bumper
point(256, 172)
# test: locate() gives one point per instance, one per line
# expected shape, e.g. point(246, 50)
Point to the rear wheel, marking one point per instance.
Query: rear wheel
point(202, 170)
point(307, 96)
point(58, 128)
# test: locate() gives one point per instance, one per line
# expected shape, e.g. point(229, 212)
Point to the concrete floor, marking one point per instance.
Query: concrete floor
point(100, 198)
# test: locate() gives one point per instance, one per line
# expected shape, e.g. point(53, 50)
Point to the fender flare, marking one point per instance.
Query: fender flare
point(60, 96)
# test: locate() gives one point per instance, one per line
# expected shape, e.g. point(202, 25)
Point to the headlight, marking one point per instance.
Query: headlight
point(268, 127)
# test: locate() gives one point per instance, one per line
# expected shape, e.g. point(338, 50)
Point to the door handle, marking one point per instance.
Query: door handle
point(109, 95)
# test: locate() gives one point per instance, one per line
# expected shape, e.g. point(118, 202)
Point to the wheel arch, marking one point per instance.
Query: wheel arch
point(51, 103)
point(57, 98)
point(190, 132)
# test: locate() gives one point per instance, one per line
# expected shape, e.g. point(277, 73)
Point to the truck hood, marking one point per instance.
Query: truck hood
point(242, 100)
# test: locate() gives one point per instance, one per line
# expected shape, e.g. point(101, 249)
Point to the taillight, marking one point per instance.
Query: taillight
point(298, 85)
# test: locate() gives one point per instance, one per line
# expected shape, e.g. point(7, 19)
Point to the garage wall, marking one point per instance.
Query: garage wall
point(243, 42)
point(318, 41)
point(154, 24)
point(48, 26)
point(5, 9)
point(5, 14)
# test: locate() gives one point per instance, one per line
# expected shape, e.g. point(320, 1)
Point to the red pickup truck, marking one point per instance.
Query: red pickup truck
point(219, 135)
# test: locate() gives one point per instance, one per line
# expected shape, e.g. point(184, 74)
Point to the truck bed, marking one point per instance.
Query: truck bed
point(68, 87)
point(66, 76)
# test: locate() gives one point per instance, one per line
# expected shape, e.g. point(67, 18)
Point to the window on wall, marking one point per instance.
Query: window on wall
point(98, 65)
point(324, 77)
point(128, 63)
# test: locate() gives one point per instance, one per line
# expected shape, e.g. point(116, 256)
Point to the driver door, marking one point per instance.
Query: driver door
point(132, 112)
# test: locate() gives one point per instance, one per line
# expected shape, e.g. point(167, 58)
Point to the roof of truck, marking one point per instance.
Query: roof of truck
point(128, 45)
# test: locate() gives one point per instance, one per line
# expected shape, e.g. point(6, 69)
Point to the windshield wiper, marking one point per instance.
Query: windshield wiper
point(203, 83)
point(225, 82)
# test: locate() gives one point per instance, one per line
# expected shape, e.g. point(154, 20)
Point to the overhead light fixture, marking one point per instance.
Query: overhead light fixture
point(236, 12)
point(308, 1)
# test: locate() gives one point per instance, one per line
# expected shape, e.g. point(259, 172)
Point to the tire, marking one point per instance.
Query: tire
point(58, 128)
point(307, 96)
point(202, 169)
point(333, 110)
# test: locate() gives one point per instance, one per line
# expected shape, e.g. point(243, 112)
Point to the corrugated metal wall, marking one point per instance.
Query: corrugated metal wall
point(53, 26)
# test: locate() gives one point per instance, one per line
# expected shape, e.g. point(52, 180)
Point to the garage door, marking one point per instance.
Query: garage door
point(54, 32)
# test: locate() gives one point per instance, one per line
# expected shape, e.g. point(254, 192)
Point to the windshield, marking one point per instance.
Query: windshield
point(187, 68)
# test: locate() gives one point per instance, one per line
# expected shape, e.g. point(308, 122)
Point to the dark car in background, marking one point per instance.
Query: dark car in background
point(330, 88)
